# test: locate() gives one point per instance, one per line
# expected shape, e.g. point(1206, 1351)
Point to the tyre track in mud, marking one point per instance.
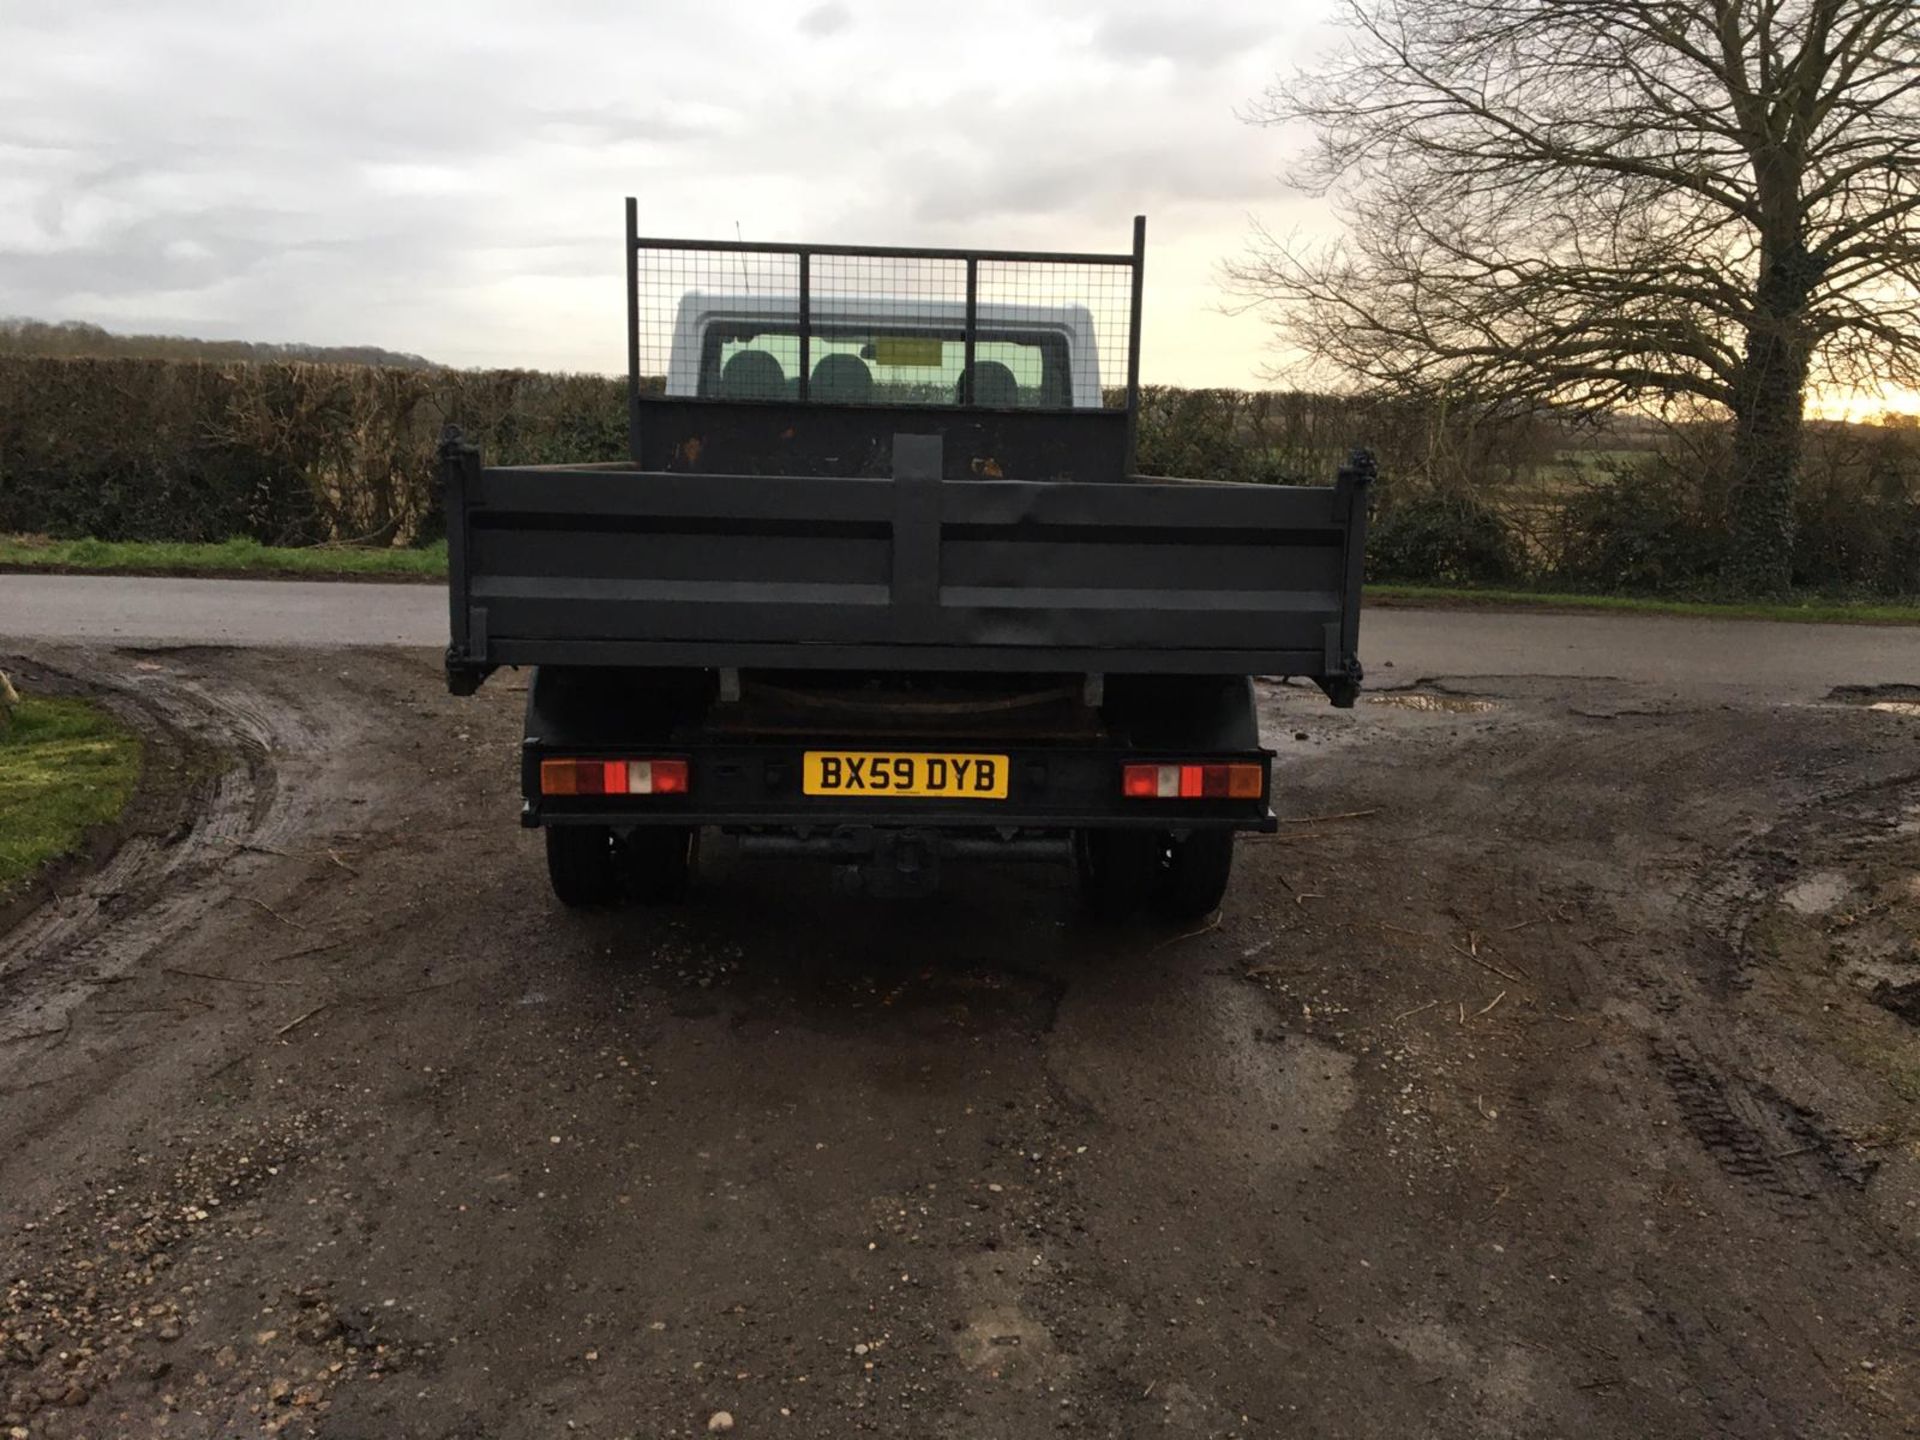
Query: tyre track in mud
point(1751, 1130)
point(220, 797)
point(1790, 1152)
point(239, 767)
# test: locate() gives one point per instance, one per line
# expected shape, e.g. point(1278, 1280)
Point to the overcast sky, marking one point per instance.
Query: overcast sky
point(446, 179)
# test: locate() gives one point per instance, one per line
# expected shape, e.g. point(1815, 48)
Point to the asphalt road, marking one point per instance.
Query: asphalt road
point(1397, 645)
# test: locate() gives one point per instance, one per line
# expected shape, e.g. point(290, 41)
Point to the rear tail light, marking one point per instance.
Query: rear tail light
point(1192, 782)
point(613, 777)
point(656, 777)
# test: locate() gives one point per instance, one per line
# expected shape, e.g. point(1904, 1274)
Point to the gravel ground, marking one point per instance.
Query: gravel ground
point(1565, 1081)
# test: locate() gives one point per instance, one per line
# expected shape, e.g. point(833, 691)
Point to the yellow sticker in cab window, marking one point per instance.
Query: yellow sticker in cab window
point(914, 352)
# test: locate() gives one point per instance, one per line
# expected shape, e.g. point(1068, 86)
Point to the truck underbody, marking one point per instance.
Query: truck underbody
point(1042, 764)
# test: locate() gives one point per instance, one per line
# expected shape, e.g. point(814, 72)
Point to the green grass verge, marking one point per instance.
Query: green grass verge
point(65, 767)
point(1813, 609)
point(160, 557)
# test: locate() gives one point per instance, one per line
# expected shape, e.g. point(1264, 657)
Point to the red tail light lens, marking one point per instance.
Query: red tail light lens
point(658, 777)
point(614, 777)
point(1192, 782)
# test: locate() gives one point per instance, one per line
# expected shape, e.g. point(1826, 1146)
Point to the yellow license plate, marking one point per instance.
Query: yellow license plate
point(867, 773)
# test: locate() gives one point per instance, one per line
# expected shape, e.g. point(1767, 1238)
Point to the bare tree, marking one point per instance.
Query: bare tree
point(1602, 203)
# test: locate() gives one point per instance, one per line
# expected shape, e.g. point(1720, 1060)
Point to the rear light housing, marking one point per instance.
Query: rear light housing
point(1212, 780)
point(613, 777)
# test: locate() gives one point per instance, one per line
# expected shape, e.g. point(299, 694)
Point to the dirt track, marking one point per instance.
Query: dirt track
point(1572, 1090)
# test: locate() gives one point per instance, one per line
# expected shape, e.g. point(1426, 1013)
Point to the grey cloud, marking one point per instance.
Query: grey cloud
point(1094, 184)
point(1038, 160)
point(824, 20)
point(615, 123)
point(1184, 36)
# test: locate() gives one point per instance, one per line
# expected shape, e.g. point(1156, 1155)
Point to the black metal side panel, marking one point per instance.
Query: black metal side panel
point(604, 567)
point(747, 437)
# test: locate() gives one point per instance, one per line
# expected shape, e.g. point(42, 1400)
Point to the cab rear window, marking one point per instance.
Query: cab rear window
point(881, 367)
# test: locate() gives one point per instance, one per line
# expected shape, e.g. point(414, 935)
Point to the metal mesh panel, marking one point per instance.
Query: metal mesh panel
point(848, 326)
point(886, 329)
point(1095, 301)
point(679, 292)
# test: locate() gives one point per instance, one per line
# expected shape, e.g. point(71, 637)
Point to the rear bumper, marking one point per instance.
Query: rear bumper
point(756, 787)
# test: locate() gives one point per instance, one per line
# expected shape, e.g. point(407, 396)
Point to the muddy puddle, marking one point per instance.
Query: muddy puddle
point(1818, 894)
point(1901, 700)
point(1443, 704)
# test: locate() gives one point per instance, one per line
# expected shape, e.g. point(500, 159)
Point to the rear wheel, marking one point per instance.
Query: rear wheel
point(580, 863)
point(660, 861)
point(1197, 870)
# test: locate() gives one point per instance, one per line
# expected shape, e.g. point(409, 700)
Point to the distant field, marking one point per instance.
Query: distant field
point(1571, 469)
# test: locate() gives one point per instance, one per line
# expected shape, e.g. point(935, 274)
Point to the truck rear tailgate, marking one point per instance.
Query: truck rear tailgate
point(618, 566)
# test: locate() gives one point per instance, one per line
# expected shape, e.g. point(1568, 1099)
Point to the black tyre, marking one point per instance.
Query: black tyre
point(1197, 871)
point(1118, 870)
point(660, 862)
point(580, 863)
